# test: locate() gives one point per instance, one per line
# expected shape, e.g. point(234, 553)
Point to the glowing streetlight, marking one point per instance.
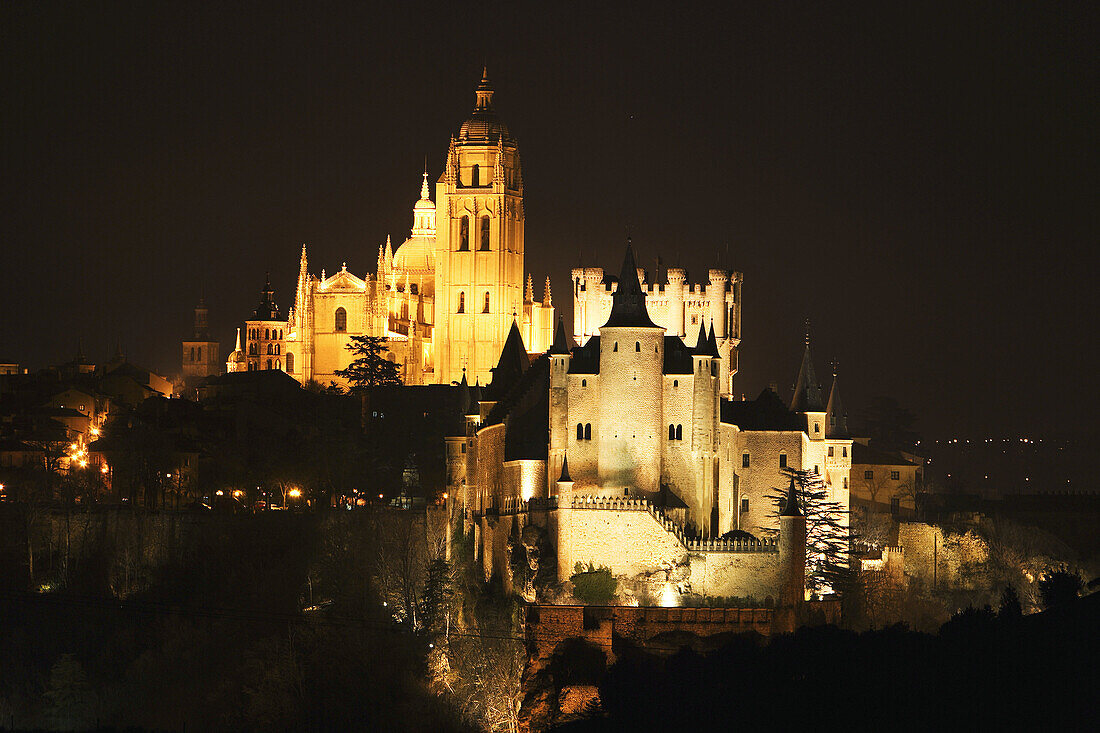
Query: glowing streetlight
point(294, 493)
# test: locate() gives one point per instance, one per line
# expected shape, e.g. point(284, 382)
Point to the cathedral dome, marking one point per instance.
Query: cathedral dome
point(417, 254)
point(483, 124)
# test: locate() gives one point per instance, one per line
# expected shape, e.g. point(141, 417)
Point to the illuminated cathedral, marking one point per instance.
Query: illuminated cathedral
point(444, 300)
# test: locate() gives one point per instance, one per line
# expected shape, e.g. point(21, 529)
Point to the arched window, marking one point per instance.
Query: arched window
point(278, 365)
point(252, 349)
point(290, 362)
point(249, 366)
point(584, 382)
point(615, 346)
point(192, 353)
point(744, 460)
point(672, 432)
point(675, 382)
point(679, 432)
point(588, 431)
point(638, 346)
point(341, 320)
point(267, 333)
point(269, 363)
point(475, 175)
point(280, 334)
point(200, 353)
point(464, 234)
point(484, 245)
point(580, 431)
point(278, 349)
point(461, 302)
point(486, 308)
point(270, 350)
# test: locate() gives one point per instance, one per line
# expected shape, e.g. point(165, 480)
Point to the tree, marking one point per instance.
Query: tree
point(1010, 608)
point(68, 699)
point(369, 368)
point(1059, 587)
point(826, 530)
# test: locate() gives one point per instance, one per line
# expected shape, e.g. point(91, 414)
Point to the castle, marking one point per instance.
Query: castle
point(628, 451)
point(444, 300)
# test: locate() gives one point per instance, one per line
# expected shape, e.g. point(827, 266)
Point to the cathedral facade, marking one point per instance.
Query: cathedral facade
point(444, 300)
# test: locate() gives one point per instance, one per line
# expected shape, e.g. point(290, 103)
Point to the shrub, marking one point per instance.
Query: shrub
point(594, 586)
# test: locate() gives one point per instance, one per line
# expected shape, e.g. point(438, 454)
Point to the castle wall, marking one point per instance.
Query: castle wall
point(633, 542)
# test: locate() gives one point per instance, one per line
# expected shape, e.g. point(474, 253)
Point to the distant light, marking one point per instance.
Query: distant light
point(294, 493)
point(219, 492)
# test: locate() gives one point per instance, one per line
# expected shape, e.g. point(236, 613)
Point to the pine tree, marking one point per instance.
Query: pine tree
point(826, 534)
point(369, 368)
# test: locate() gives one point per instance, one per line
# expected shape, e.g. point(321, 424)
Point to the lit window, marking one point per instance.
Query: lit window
point(486, 308)
point(830, 451)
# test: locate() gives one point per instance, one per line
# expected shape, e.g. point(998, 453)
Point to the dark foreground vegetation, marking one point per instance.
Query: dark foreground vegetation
point(984, 670)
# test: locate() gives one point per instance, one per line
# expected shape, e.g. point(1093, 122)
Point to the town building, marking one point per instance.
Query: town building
point(201, 354)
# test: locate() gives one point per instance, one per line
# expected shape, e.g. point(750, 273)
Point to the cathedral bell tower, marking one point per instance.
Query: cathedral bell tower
point(479, 245)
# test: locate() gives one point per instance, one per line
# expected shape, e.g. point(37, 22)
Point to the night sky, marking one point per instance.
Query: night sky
point(920, 183)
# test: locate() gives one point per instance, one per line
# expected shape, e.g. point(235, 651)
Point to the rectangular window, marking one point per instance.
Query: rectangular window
point(782, 460)
point(868, 475)
point(463, 447)
point(831, 451)
point(895, 505)
point(895, 475)
point(844, 451)
point(744, 505)
point(744, 460)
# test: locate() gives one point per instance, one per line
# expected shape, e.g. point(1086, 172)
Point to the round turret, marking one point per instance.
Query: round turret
point(593, 274)
point(676, 275)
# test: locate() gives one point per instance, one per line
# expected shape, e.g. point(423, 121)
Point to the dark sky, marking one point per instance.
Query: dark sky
point(920, 183)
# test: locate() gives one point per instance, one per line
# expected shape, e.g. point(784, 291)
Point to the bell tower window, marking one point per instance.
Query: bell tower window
point(464, 234)
point(461, 302)
point(475, 175)
point(484, 245)
point(341, 320)
point(486, 308)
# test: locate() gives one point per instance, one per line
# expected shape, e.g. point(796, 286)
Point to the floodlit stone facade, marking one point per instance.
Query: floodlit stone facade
point(650, 468)
point(445, 299)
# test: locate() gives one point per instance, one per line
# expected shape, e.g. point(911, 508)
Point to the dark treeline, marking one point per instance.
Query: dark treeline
point(983, 671)
point(271, 623)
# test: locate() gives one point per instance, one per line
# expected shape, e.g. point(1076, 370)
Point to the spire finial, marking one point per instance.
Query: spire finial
point(807, 331)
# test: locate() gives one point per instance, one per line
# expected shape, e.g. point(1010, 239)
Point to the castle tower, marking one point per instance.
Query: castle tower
point(560, 357)
point(836, 417)
point(265, 333)
point(479, 244)
point(631, 389)
point(201, 353)
point(807, 395)
point(792, 549)
point(704, 430)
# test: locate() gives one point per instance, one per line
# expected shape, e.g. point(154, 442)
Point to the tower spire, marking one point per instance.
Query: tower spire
point(836, 418)
point(628, 301)
point(807, 392)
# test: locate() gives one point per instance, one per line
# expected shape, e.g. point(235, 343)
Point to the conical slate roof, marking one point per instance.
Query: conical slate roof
point(807, 393)
point(564, 470)
point(836, 418)
point(561, 342)
point(512, 364)
point(267, 310)
point(791, 507)
point(628, 300)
